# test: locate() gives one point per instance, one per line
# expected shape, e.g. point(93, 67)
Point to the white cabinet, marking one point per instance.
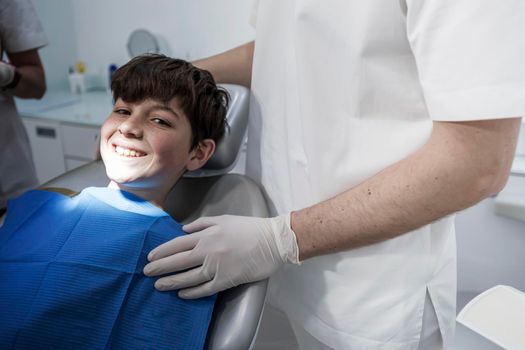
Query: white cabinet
point(79, 144)
point(46, 146)
point(58, 147)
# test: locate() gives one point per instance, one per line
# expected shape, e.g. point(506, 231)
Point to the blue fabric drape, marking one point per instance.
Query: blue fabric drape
point(71, 276)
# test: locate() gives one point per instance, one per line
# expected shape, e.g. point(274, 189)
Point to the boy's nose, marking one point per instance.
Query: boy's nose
point(131, 127)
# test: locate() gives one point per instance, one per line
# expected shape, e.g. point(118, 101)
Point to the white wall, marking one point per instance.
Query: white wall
point(96, 31)
point(192, 28)
point(57, 21)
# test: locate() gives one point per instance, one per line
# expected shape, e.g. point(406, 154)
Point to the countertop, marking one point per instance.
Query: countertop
point(510, 202)
point(518, 165)
point(91, 108)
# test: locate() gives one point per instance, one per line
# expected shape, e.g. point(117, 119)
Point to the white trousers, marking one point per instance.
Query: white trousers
point(276, 332)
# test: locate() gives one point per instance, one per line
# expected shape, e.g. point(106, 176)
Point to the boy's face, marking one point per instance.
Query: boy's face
point(146, 145)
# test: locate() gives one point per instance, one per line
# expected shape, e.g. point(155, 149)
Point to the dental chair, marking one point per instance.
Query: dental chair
point(207, 192)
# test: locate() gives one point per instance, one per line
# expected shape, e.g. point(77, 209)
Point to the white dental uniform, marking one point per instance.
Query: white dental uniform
point(20, 30)
point(341, 90)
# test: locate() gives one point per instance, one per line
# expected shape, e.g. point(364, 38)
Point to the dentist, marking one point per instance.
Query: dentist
point(371, 124)
point(21, 35)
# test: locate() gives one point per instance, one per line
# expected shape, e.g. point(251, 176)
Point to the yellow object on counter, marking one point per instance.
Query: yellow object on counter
point(80, 67)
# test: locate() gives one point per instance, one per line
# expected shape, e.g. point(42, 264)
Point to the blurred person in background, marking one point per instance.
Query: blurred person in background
point(21, 75)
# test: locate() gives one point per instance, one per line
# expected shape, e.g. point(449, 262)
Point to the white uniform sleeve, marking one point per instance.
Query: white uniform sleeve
point(19, 27)
point(253, 14)
point(470, 55)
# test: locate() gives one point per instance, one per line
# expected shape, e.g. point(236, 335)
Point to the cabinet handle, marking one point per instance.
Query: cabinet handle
point(46, 132)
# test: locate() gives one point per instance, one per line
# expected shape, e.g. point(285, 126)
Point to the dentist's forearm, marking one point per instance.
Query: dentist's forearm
point(461, 164)
point(233, 66)
point(32, 83)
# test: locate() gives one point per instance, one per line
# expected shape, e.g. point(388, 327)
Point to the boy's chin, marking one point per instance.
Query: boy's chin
point(134, 184)
point(122, 180)
point(122, 176)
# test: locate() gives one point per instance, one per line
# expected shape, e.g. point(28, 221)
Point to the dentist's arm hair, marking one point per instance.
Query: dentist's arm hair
point(32, 83)
point(233, 66)
point(461, 164)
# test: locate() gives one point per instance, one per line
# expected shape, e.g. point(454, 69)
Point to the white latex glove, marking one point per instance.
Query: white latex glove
point(222, 252)
point(7, 73)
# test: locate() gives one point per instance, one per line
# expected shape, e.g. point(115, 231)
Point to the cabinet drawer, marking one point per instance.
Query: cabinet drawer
point(44, 138)
point(80, 141)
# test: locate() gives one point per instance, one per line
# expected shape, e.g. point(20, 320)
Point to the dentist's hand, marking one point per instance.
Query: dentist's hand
point(222, 252)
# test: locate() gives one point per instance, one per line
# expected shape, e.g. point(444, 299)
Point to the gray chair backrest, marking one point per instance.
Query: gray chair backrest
point(238, 310)
point(228, 148)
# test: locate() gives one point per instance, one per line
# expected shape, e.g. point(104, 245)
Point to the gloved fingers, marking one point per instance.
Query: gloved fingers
point(176, 245)
point(181, 280)
point(203, 290)
point(173, 263)
point(200, 224)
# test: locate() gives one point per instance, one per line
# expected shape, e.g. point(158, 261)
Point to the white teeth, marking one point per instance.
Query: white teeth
point(127, 152)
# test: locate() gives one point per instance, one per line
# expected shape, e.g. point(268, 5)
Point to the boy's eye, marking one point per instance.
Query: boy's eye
point(160, 121)
point(121, 111)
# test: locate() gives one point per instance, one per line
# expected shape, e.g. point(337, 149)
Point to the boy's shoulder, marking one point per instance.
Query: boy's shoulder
point(50, 203)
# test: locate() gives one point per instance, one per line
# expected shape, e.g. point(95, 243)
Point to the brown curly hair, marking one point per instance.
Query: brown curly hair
point(163, 78)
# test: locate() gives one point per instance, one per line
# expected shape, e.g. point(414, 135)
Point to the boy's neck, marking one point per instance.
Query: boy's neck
point(153, 196)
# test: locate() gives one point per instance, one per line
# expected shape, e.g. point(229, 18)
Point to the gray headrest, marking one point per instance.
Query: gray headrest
point(229, 146)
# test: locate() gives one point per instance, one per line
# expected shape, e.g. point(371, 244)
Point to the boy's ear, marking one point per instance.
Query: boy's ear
point(200, 154)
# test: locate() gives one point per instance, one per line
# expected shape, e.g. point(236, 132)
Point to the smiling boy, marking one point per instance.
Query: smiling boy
point(161, 126)
point(71, 268)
